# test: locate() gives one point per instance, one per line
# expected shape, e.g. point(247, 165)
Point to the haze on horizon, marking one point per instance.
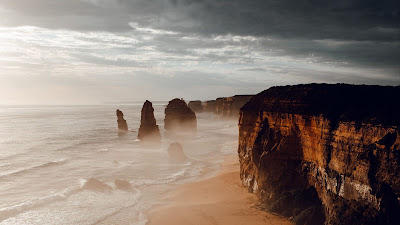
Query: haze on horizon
point(96, 51)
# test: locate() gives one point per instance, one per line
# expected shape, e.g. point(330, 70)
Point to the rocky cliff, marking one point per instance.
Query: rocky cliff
point(179, 118)
point(322, 153)
point(196, 106)
point(121, 121)
point(148, 130)
point(229, 107)
point(209, 106)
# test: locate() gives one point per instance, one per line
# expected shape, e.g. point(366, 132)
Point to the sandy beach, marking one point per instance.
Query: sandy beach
point(219, 200)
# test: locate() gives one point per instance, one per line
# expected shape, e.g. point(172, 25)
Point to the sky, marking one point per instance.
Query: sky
point(101, 51)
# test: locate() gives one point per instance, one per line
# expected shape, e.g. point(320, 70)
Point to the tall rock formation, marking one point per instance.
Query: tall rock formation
point(179, 118)
point(324, 153)
point(121, 121)
point(196, 106)
point(148, 130)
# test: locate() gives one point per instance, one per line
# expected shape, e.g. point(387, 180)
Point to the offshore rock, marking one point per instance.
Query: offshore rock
point(96, 185)
point(196, 106)
point(148, 130)
point(179, 118)
point(175, 151)
point(324, 153)
point(121, 121)
point(122, 184)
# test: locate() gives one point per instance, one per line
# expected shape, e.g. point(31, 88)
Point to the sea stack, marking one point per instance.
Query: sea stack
point(121, 121)
point(196, 106)
point(324, 154)
point(148, 130)
point(179, 118)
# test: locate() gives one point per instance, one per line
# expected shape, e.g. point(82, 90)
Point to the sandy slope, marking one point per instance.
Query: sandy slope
point(218, 200)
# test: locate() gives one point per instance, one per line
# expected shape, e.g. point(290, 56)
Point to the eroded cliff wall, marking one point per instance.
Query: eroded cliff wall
point(229, 107)
point(324, 153)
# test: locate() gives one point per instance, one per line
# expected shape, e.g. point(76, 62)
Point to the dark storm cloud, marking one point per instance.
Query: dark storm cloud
point(364, 33)
point(310, 19)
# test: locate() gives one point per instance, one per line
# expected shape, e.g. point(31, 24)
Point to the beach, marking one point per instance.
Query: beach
point(221, 199)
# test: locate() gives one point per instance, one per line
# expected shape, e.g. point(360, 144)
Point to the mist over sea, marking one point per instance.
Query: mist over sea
point(48, 153)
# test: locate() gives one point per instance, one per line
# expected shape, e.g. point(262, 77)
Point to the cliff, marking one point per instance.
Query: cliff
point(324, 153)
point(179, 118)
point(229, 107)
point(209, 106)
point(148, 130)
point(121, 121)
point(196, 106)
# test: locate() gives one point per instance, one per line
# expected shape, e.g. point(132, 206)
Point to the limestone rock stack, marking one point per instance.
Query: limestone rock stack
point(121, 121)
point(179, 118)
point(148, 130)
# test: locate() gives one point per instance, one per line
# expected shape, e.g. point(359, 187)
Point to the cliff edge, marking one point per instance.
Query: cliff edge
point(324, 154)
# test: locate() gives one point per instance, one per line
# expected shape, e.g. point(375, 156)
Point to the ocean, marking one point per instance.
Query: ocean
point(48, 153)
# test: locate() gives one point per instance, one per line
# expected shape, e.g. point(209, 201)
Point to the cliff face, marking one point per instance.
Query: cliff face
point(229, 107)
point(148, 130)
point(179, 118)
point(196, 106)
point(209, 106)
point(324, 153)
point(121, 121)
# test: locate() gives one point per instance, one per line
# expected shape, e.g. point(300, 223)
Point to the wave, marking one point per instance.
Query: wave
point(133, 203)
point(169, 179)
point(28, 169)
point(85, 184)
point(14, 210)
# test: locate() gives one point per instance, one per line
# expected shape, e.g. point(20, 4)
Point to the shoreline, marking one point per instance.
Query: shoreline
point(221, 199)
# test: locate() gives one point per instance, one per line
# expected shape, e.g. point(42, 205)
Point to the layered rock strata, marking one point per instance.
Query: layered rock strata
point(196, 106)
point(324, 153)
point(179, 118)
point(148, 130)
point(121, 121)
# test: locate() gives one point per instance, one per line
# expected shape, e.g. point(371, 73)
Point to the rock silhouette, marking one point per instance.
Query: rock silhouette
point(121, 121)
point(148, 130)
point(179, 118)
point(175, 151)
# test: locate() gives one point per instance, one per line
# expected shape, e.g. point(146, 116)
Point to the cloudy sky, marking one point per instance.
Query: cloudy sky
point(96, 51)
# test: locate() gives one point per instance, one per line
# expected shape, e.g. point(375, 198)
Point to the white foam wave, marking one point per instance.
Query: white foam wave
point(10, 211)
point(28, 169)
point(169, 179)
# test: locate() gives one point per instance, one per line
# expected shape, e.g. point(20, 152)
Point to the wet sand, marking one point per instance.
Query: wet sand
point(219, 200)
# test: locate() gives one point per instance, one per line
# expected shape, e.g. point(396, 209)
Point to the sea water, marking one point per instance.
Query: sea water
point(48, 153)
